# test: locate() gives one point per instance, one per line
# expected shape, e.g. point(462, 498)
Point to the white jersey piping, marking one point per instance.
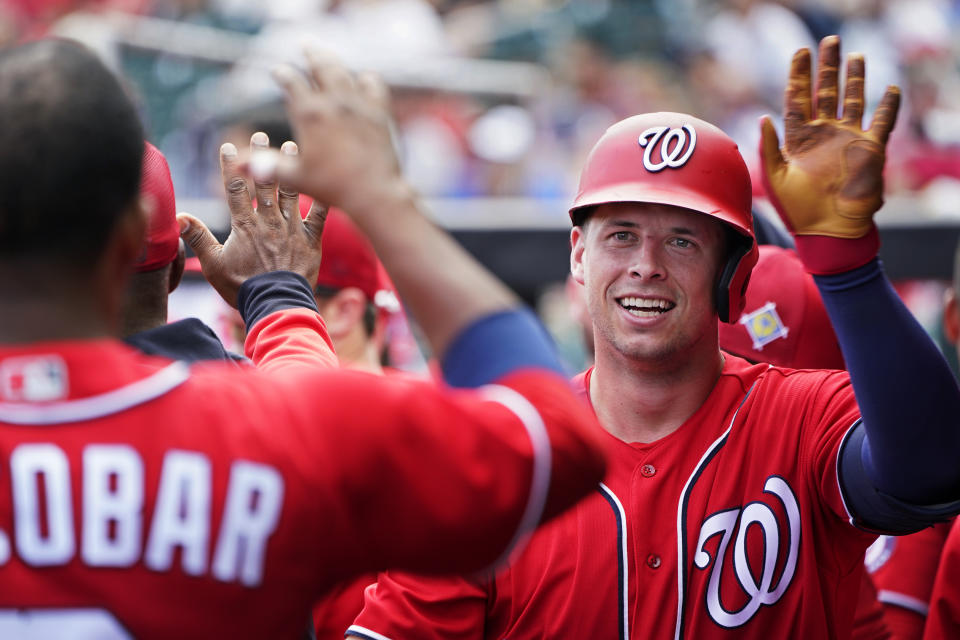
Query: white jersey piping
point(98, 406)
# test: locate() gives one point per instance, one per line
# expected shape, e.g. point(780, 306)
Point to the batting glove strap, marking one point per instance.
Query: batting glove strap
point(873, 510)
point(824, 255)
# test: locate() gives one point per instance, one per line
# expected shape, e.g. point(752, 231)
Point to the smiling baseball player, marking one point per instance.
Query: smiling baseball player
point(740, 497)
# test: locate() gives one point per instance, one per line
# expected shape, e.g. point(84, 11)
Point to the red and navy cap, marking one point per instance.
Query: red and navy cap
point(162, 241)
point(348, 260)
point(784, 321)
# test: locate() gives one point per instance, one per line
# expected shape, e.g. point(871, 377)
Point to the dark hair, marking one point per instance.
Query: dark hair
point(71, 146)
point(582, 215)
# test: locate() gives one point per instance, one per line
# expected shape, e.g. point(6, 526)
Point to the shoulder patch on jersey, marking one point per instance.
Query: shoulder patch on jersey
point(764, 325)
point(34, 378)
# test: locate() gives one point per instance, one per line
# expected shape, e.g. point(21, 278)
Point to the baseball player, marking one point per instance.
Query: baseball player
point(903, 570)
point(740, 498)
point(142, 498)
point(353, 293)
point(943, 615)
point(918, 595)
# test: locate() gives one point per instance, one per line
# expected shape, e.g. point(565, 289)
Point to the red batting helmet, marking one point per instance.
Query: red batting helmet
point(349, 260)
point(679, 160)
point(162, 242)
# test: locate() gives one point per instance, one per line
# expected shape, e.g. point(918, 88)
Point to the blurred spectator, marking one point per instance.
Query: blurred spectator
point(719, 59)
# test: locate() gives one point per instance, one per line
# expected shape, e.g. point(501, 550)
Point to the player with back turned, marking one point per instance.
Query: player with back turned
point(740, 497)
point(140, 497)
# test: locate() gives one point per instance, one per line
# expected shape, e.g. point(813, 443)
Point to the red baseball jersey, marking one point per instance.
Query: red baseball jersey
point(339, 606)
point(336, 611)
point(943, 620)
point(903, 570)
point(731, 526)
point(139, 497)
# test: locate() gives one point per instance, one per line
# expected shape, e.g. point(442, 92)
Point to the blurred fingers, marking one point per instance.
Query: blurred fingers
point(828, 68)
point(770, 154)
point(886, 114)
point(853, 94)
point(287, 195)
point(797, 102)
point(200, 239)
point(235, 186)
point(315, 221)
point(266, 189)
point(328, 73)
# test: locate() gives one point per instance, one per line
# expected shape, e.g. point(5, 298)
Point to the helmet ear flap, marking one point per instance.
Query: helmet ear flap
point(732, 284)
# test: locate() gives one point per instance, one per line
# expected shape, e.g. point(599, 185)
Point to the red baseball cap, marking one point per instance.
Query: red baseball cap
point(163, 235)
point(349, 260)
point(784, 321)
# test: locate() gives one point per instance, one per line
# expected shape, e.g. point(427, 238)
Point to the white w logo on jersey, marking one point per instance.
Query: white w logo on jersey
point(759, 591)
point(670, 156)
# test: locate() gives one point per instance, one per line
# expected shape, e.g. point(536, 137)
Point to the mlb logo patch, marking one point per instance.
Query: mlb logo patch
point(764, 325)
point(34, 379)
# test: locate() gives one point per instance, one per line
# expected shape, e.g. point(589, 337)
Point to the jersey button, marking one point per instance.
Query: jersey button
point(653, 561)
point(648, 471)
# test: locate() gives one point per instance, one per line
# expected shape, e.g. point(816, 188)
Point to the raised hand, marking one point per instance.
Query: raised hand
point(343, 119)
point(272, 237)
point(827, 179)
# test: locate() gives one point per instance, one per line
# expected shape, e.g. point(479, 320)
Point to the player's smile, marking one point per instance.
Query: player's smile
point(643, 307)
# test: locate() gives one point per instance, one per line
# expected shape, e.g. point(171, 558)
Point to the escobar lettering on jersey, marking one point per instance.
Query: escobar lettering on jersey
point(112, 518)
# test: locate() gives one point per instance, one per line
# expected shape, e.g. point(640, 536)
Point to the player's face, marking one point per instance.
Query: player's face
point(649, 273)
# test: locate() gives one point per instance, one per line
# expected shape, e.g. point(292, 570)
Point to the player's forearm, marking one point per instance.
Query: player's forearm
point(521, 452)
point(443, 286)
point(908, 398)
point(277, 340)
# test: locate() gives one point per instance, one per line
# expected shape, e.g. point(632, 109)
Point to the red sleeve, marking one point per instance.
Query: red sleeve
point(868, 619)
point(903, 624)
point(335, 611)
point(402, 474)
point(290, 337)
point(831, 414)
point(402, 605)
point(903, 570)
point(943, 621)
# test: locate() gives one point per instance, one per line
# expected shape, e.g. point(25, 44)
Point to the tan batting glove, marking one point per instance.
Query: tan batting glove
point(827, 179)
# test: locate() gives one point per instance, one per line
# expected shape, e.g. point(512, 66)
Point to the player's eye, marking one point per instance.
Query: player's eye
point(621, 236)
point(682, 243)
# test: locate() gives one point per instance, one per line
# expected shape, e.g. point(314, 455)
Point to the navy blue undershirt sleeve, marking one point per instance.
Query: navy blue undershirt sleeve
point(909, 447)
point(496, 345)
point(274, 291)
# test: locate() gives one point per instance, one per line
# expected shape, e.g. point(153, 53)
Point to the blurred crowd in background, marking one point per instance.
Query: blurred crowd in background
point(503, 98)
point(565, 70)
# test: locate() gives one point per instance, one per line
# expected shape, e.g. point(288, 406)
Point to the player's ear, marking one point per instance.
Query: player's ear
point(176, 267)
point(130, 231)
point(951, 315)
point(577, 245)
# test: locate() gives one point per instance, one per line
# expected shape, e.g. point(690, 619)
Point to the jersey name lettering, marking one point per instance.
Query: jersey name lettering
point(112, 518)
point(760, 592)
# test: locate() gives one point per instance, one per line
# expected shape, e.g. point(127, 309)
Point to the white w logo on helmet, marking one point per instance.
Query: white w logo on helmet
point(669, 156)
